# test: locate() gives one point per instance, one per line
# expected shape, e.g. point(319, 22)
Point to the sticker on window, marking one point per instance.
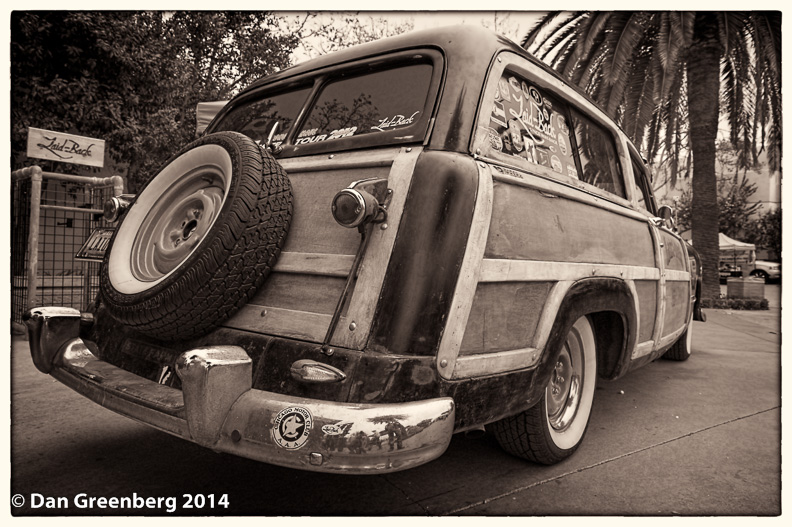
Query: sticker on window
point(395, 121)
point(311, 135)
point(530, 125)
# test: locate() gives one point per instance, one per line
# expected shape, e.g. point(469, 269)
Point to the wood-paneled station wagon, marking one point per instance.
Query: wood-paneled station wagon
point(462, 240)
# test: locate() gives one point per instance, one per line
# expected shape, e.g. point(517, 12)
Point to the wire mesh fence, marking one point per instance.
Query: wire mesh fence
point(44, 271)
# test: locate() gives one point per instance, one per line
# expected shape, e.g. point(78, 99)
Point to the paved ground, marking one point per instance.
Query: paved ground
point(695, 438)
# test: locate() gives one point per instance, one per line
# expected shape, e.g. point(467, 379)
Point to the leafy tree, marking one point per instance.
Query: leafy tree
point(662, 75)
point(133, 78)
point(765, 231)
point(320, 34)
point(734, 207)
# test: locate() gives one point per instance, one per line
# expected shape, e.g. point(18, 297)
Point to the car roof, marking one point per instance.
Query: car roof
point(468, 51)
point(477, 43)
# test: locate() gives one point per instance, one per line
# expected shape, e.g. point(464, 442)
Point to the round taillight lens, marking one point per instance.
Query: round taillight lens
point(352, 207)
point(112, 209)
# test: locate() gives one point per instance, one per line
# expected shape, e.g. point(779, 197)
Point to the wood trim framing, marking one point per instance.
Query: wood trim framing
point(660, 262)
point(347, 160)
point(490, 363)
point(301, 325)
point(353, 328)
point(677, 276)
point(499, 270)
point(551, 307)
point(642, 349)
point(314, 263)
point(671, 337)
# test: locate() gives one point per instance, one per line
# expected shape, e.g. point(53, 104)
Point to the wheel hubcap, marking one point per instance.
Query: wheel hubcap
point(562, 393)
point(177, 222)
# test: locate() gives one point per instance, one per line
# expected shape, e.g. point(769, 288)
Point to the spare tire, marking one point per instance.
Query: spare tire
point(199, 240)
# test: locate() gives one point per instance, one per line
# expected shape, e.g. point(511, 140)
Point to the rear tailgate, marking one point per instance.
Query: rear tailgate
point(300, 296)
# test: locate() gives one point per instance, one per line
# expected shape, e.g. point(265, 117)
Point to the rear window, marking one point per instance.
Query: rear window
point(527, 125)
point(359, 106)
point(392, 100)
point(256, 119)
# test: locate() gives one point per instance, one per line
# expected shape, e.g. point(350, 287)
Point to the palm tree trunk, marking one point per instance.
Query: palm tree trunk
point(703, 77)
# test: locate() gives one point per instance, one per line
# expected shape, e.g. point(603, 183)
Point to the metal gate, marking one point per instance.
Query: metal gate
point(51, 216)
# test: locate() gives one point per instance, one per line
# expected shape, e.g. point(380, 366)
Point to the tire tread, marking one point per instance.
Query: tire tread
point(232, 263)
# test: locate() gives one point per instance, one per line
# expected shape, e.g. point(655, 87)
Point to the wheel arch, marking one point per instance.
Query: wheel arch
point(610, 306)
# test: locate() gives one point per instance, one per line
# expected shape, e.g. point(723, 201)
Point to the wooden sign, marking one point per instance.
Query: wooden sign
point(66, 148)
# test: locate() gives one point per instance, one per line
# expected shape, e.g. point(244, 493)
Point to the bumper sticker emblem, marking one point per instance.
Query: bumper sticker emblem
point(292, 427)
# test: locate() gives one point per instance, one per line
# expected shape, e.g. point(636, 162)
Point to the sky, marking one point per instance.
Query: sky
point(512, 24)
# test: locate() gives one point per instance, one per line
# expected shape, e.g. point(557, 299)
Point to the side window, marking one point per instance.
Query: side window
point(529, 125)
point(642, 182)
point(598, 161)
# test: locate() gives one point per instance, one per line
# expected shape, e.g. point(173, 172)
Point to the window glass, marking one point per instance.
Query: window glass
point(528, 124)
point(597, 155)
point(256, 119)
point(374, 103)
point(642, 182)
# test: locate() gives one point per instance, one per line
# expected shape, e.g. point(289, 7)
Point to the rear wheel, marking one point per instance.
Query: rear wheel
point(553, 429)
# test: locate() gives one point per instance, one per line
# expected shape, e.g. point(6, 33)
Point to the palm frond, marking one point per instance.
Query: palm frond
point(535, 31)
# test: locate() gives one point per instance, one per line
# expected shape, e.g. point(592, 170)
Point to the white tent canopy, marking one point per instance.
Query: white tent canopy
point(728, 244)
point(205, 112)
point(736, 252)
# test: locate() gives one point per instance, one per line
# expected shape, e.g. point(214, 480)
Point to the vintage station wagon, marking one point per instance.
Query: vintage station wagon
point(373, 250)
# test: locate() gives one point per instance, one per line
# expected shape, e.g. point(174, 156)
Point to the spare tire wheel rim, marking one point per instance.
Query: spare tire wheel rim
point(170, 219)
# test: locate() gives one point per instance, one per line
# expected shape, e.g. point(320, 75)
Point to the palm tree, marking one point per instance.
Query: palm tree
point(666, 77)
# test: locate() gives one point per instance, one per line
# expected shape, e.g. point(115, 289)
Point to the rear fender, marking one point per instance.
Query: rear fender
point(610, 305)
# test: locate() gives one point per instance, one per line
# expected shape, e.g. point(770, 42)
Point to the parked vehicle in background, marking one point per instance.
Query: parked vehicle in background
point(378, 248)
point(768, 271)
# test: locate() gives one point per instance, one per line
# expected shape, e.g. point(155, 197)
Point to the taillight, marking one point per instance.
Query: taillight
point(115, 206)
point(363, 202)
point(352, 207)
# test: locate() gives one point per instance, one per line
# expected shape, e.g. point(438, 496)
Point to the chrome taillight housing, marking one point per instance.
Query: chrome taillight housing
point(115, 206)
point(361, 203)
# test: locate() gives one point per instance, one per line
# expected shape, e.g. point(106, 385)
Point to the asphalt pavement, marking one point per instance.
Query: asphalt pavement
point(701, 437)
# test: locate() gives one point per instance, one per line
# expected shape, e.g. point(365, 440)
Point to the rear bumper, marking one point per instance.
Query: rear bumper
point(218, 408)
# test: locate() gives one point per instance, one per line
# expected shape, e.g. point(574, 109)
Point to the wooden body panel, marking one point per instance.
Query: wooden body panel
point(529, 224)
point(300, 296)
point(504, 316)
point(647, 303)
point(678, 302)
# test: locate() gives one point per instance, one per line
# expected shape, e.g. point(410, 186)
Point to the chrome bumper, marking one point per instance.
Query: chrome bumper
point(218, 408)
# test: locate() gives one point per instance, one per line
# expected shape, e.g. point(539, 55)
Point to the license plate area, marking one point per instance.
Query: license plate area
point(94, 248)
